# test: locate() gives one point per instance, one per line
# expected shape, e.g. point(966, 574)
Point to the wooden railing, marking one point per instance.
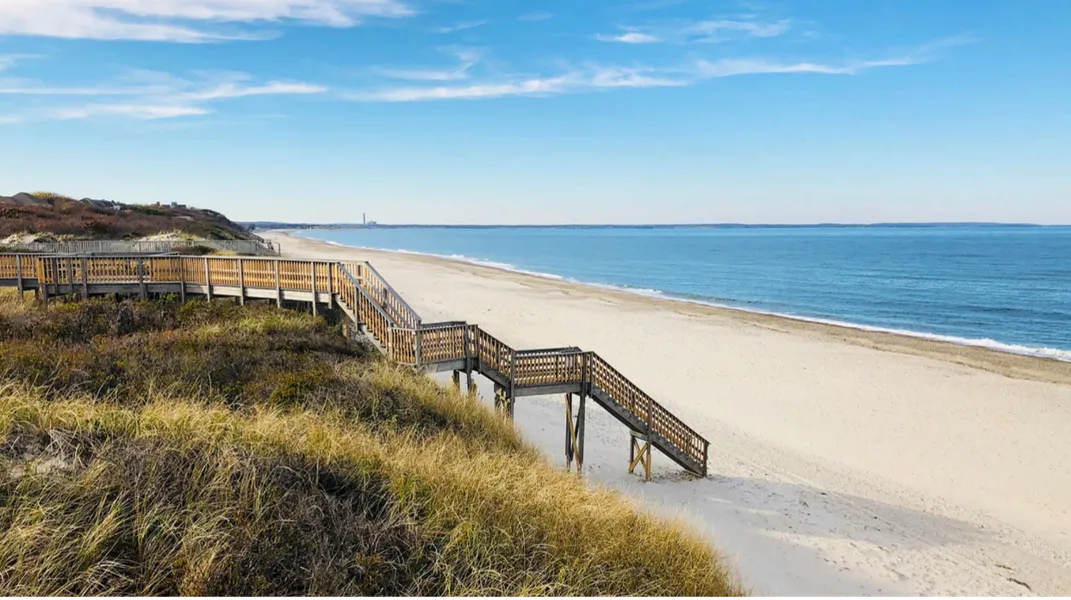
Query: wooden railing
point(550, 367)
point(392, 302)
point(372, 302)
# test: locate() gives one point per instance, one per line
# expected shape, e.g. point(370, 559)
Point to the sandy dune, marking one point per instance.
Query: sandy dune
point(842, 462)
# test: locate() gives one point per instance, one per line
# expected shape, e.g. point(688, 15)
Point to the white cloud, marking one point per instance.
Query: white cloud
point(632, 37)
point(151, 95)
point(229, 90)
point(9, 60)
point(461, 26)
point(466, 60)
point(573, 81)
point(633, 78)
point(141, 112)
point(605, 78)
point(527, 87)
point(719, 30)
point(732, 67)
point(178, 20)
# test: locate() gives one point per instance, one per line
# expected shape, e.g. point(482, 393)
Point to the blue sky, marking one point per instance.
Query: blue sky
point(472, 111)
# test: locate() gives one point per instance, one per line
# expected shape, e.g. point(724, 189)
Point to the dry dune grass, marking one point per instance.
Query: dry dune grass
point(157, 448)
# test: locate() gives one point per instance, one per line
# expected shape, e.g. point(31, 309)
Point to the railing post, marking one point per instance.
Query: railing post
point(241, 281)
point(182, 279)
point(141, 279)
point(468, 360)
point(418, 337)
point(512, 381)
point(18, 275)
point(42, 280)
point(331, 286)
point(208, 281)
point(278, 286)
point(315, 300)
point(85, 278)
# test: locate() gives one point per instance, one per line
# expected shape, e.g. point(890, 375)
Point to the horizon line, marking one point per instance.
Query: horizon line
point(307, 225)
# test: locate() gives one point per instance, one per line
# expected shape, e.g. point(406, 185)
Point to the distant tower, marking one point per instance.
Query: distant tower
point(364, 219)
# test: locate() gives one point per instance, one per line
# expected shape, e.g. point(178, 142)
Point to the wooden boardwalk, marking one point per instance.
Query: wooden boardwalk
point(383, 316)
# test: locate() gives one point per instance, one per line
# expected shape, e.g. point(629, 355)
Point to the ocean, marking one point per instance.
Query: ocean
point(1004, 287)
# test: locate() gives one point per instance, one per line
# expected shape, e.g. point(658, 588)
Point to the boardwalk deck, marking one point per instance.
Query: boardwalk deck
point(389, 321)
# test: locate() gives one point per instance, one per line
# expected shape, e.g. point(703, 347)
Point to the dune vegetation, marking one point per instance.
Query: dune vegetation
point(155, 448)
point(48, 216)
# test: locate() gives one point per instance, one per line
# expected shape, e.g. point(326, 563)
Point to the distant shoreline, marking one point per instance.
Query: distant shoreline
point(1022, 365)
point(274, 226)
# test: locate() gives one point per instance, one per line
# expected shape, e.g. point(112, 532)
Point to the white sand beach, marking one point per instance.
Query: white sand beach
point(841, 462)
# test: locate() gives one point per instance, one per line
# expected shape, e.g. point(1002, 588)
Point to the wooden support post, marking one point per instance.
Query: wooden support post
point(141, 280)
point(278, 286)
point(241, 281)
point(85, 278)
point(503, 403)
point(640, 454)
point(456, 378)
point(574, 434)
point(208, 281)
point(182, 279)
point(18, 275)
point(315, 300)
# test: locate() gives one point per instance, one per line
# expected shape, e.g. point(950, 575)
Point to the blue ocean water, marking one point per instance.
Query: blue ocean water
point(1007, 287)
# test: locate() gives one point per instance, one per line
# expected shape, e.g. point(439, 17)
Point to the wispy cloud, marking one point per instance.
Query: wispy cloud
point(141, 112)
point(632, 37)
point(147, 95)
point(535, 16)
point(606, 78)
point(466, 60)
point(708, 31)
point(733, 67)
point(526, 87)
point(225, 91)
point(720, 30)
point(187, 21)
point(568, 82)
point(461, 26)
point(8, 60)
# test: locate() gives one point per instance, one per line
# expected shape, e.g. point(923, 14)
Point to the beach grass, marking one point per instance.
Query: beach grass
point(155, 448)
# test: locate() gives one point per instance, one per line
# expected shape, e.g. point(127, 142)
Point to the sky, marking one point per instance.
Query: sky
point(511, 112)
